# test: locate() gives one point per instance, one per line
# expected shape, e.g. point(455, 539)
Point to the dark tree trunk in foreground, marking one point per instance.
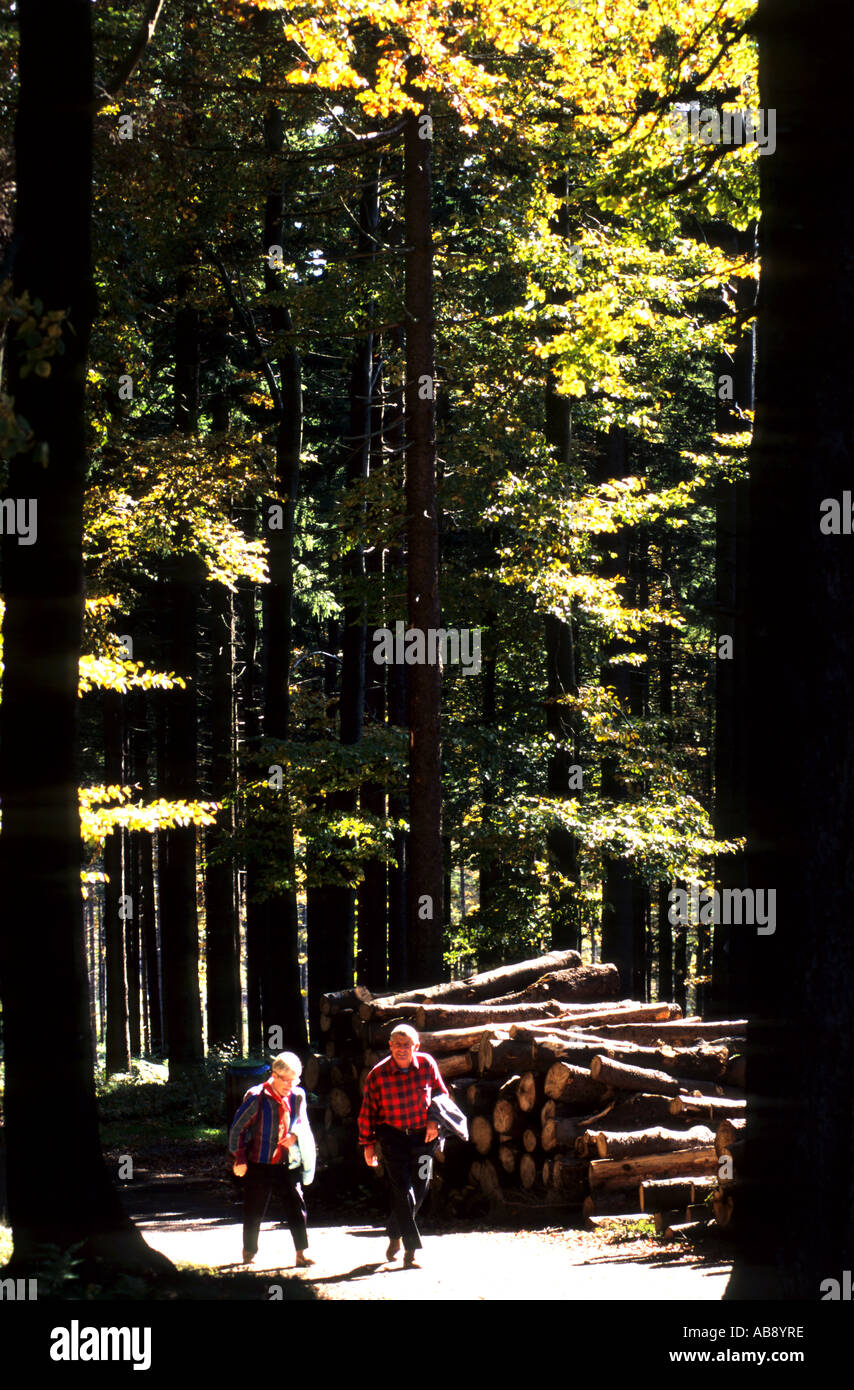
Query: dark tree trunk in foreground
point(425, 868)
point(53, 1198)
point(799, 733)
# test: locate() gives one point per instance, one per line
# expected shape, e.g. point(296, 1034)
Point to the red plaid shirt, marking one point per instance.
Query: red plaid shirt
point(399, 1096)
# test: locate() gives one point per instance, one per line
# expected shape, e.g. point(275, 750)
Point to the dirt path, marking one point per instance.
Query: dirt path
point(458, 1265)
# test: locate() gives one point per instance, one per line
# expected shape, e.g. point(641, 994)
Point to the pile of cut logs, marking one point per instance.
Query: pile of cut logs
point(574, 1096)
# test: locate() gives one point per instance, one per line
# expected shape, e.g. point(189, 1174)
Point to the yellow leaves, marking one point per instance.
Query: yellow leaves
point(115, 673)
point(105, 809)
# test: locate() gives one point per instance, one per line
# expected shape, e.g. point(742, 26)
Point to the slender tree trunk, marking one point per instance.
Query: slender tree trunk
point(115, 907)
point(50, 1202)
point(280, 978)
point(250, 707)
point(341, 901)
point(372, 960)
point(425, 878)
point(222, 926)
point(623, 900)
point(144, 900)
point(730, 799)
point(396, 680)
point(177, 847)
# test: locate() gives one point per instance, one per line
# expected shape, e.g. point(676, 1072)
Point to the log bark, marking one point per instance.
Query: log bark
point(457, 1064)
point(339, 999)
point(638, 1111)
point(709, 1107)
point(502, 1056)
point(572, 1085)
point(529, 1091)
point(626, 1017)
point(627, 1078)
point(570, 984)
point(452, 1040)
point(490, 983)
point(624, 1174)
point(676, 1031)
point(727, 1132)
point(505, 1109)
point(380, 1012)
point(438, 1017)
point(609, 1144)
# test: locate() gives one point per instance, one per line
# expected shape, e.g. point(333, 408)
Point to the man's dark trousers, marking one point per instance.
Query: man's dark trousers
point(262, 1180)
point(408, 1162)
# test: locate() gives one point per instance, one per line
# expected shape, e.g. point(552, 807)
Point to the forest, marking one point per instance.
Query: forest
point(421, 542)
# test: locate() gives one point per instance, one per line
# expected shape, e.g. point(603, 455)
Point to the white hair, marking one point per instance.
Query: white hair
point(288, 1062)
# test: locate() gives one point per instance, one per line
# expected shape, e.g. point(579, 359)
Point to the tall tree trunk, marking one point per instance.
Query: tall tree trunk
point(177, 847)
point(117, 1057)
point(623, 894)
point(800, 767)
point(50, 1202)
point(561, 678)
point(425, 877)
point(340, 924)
point(280, 978)
point(132, 878)
point(372, 959)
point(251, 713)
point(222, 919)
point(144, 899)
point(396, 678)
point(222, 926)
point(726, 996)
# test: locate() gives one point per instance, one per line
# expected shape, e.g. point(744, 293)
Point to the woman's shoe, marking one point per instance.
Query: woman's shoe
point(303, 1260)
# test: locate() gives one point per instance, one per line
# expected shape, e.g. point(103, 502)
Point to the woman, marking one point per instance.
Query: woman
point(272, 1145)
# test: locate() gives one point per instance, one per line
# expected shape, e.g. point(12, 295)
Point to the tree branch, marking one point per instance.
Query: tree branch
point(143, 37)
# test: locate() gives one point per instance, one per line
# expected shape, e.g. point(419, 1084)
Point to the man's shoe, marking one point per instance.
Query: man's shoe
point(410, 1260)
point(303, 1260)
point(393, 1249)
point(247, 1258)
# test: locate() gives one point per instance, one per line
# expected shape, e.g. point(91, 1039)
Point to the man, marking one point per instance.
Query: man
point(398, 1092)
point(273, 1147)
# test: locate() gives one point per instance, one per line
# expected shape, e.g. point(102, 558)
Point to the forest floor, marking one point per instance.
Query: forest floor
point(194, 1218)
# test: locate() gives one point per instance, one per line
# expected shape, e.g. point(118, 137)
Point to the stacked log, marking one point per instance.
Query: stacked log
point(575, 1097)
